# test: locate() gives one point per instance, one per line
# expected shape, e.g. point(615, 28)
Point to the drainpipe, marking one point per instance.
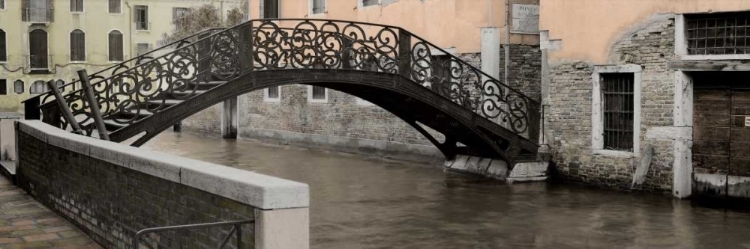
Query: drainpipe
point(130, 28)
point(507, 40)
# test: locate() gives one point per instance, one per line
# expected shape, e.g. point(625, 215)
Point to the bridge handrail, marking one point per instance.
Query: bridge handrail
point(494, 100)
point(44, 96)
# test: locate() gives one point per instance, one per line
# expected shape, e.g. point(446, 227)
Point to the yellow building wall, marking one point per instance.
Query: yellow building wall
point(588, 28)
point(96, 22)
point(445, 23)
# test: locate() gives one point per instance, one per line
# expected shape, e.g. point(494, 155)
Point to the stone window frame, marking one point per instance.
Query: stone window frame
point(266, 98)
point(310, 98)
point(597, 121)
point(681, 47)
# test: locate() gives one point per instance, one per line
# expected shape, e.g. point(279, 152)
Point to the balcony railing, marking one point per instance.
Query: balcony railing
point(39, 62)
point(38, 15)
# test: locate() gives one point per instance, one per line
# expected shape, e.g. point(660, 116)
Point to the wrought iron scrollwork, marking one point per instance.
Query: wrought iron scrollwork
point(147, 83)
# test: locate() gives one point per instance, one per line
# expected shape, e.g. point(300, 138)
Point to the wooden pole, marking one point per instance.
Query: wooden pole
point(93, 104)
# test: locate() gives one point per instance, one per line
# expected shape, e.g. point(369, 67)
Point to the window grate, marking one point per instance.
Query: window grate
point(617, 91)
point(718, 34)
point(18, 87)
point(273, 92)
point(115, 7)
point(318, 92)
point(271, 9)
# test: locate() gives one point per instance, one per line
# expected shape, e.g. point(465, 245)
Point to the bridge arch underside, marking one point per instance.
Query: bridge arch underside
point(465, 132)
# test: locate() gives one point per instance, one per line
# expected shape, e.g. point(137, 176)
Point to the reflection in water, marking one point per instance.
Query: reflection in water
point(370, 203)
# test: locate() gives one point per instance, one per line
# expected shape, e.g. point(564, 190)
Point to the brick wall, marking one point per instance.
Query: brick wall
point(111, 202)
point(568, 124)
point(525, 69)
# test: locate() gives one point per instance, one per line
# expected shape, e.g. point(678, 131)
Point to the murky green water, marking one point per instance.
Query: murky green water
point(359, 202)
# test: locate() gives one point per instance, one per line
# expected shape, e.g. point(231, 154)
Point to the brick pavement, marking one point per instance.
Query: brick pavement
point(26, 223)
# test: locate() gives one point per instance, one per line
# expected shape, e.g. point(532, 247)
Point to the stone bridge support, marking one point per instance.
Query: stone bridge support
point(229, 118)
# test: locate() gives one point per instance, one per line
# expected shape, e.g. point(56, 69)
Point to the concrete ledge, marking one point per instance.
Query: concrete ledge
point(499, 169)
point(257, 190)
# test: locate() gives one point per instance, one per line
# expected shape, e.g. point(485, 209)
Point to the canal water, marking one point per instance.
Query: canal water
point(359, 202)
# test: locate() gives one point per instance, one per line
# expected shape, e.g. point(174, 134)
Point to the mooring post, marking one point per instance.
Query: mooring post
point(93, 104)
point(64, 108)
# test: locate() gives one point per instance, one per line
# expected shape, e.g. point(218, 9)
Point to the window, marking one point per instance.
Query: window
point(366, 3)
point(317, 94)
point(178, 13)
point(718, 34)
point(318, 6)
point(617, 99)
point(115, 46)
point(38, 87)
point(2, 4)
point(141, 17)
point(3, 46)
point(143, 48)
point(115, 6)
point(38, 49)
point(270, 8)
point(77, 45)
point(37, 11)
point(272, 94)
point(616, 110)
point(3, 87)
point(18, 87)
point(76, 5)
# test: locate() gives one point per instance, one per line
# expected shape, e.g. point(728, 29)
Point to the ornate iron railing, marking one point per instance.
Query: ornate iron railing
point(288, 44)
point(106, 72)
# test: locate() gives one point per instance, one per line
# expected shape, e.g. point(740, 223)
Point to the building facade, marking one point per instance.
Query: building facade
point(652, 89)
point(474, 31)
point(42, 40)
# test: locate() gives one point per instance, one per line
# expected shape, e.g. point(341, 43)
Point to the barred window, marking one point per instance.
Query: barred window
point(319, 6)
point(3, 87)
point(270, 8)
point(76, 5)
point(726, 33)
point(273, 92)
point(38, 87)
point(115, 46)
point(115, 7)
point(318, 93)
point(18, 87)
point(77, 45)
point(3, 46)
point(369, 2)
point(618, 104)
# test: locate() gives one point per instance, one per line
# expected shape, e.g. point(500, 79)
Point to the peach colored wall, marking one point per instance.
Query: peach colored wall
point(588, 28)
point(446, 23)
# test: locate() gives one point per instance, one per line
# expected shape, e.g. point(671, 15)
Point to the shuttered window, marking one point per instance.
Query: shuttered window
point(115, 46)
point(3, 46)
point(270, 8)
point(18, 87)
point(319, 6)
point(76, 5)
point(38, 49)
point(318, 92)
point(2, 4)
point(38, 87)
point(115, 7)
point(3, 87)
point(141, 17)
point(617, 91)
point(77, 45)
point(143, 48)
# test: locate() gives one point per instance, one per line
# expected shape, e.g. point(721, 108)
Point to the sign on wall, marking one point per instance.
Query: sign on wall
point(525, 18)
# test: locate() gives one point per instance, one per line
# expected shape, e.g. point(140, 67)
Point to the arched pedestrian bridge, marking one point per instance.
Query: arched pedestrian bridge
point(385, 65)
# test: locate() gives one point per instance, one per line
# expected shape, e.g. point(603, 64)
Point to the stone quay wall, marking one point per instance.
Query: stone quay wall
point(568, 127)
point(111, 191)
